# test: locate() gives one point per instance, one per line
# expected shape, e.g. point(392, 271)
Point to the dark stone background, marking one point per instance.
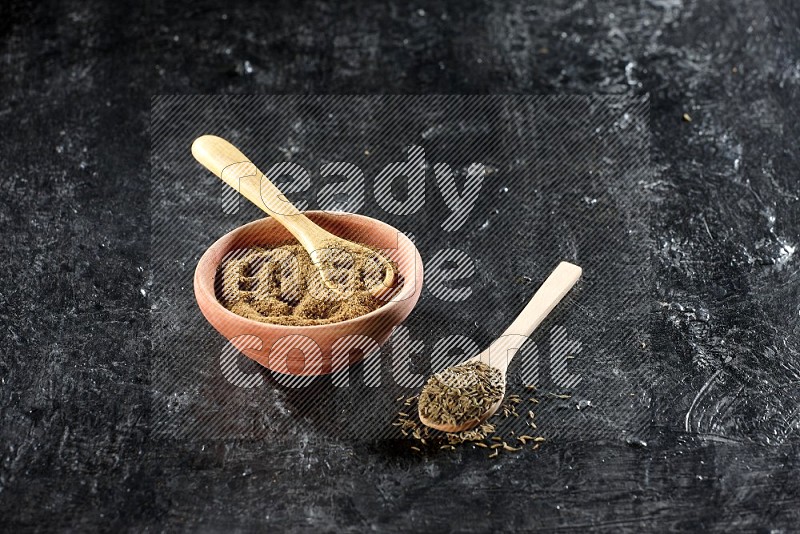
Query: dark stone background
point(75, 400)
point(569, 181)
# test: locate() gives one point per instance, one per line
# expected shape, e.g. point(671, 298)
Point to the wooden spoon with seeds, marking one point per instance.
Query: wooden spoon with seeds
point(235, 169)
point(463, 396)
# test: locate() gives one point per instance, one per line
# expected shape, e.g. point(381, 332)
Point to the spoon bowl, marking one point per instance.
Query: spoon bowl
point(470, 423)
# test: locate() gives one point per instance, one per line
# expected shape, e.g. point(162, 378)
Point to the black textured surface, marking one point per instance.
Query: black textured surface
point(75, 386)
point(566, 179)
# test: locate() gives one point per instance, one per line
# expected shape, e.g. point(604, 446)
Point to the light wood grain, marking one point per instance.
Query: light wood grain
point(554, 288)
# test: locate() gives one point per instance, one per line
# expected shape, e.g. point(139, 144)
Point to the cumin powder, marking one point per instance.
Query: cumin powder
point(282, 285)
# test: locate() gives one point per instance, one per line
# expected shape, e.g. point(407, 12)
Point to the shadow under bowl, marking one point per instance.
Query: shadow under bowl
point(318, 349)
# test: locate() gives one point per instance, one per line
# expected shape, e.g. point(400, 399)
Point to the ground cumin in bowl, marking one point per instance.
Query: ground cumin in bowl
point(281, 285)
point(271, 309)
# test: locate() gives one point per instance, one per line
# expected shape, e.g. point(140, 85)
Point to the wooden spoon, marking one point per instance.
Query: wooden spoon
point(503, 349)
point(232, 167)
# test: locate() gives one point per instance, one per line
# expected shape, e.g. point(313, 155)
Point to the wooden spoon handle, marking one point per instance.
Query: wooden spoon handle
point(545, 299)
point(551, 292)
point(235, 169)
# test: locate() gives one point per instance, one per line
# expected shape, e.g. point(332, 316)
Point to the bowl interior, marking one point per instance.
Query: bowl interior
point(357, 228)
point(268, 232)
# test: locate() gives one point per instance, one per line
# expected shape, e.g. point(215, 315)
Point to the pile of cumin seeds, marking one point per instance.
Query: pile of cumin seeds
point(461, 393)
point(487, 435)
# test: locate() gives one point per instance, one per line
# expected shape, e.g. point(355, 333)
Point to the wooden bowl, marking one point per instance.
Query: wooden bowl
point(320, 349)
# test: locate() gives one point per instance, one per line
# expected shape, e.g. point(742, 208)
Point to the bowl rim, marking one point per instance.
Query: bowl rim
point(407, 291)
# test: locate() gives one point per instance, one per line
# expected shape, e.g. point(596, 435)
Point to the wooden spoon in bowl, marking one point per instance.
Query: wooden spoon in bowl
point(501, 351)
point(235, 169)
